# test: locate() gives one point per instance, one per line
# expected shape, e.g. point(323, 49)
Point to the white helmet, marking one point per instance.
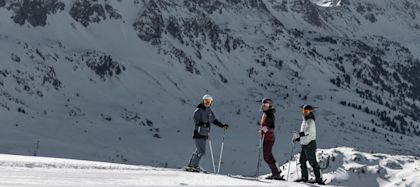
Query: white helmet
point(207, 96)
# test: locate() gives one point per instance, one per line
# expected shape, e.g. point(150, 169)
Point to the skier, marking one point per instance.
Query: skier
point(203, 116)
point(267, 125)
point(307, 139)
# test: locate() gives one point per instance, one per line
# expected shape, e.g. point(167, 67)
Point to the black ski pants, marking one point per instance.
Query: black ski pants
point(308, 153)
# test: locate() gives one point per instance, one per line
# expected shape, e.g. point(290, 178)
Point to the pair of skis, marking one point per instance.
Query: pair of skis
point(260, 180)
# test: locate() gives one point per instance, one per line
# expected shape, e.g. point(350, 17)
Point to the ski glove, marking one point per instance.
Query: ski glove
point(226, 126)
point(264, 129)
point(296, 137)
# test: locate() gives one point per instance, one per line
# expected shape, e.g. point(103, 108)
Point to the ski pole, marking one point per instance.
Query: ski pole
point(291, 156)
point(212, 158)
point(297, 169)
point(259, 156)
point(221, 151)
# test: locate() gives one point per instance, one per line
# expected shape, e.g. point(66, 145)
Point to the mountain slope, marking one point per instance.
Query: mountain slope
point(118, 81)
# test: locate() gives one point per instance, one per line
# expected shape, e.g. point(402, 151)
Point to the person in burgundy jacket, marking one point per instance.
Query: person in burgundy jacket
point(267, 126)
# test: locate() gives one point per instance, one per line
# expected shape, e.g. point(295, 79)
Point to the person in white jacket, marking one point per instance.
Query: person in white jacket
point(307, 139)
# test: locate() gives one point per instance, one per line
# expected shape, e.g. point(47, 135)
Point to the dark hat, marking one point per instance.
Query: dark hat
point(307, 107)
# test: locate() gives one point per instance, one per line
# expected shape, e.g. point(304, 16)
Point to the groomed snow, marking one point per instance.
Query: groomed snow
point(347, 167)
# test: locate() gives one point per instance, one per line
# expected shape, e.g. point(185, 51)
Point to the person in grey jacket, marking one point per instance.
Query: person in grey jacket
point(203, 117)
point(307, 139)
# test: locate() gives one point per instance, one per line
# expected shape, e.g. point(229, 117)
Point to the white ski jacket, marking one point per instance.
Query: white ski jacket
point(309, 130)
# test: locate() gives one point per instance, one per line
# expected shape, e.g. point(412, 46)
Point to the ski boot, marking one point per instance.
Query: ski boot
point(193, 169)
point(320, 181)
point(275, 177)
point(301, 180)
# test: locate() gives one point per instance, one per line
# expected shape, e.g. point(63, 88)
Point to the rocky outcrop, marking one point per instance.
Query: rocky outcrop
point(150, 25)
point(103, 65)
point(35, 12)
point(87, 12)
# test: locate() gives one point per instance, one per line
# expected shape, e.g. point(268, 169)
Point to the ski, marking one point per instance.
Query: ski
point(195, 170)
point(247, 178)
point(281, 178)
point(311, 182)
point(243, 177)
point(314, 182)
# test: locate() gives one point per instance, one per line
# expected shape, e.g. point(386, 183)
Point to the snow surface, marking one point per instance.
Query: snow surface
point(347, 168)
point(46, 172)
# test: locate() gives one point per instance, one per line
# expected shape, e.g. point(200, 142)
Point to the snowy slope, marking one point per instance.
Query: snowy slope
point(117, 81)
point(346, 167)
point(41, 171)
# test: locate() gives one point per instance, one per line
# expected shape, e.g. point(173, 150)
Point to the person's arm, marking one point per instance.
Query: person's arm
point(197, 116)
point(270, 121)
point(308, 129)
point(311, 130)
point(218, 123)
point(301, 133)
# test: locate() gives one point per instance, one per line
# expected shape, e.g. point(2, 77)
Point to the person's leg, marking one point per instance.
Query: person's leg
point(303, 167)
point(269, 158)
point(311, 155)
point(200, 144)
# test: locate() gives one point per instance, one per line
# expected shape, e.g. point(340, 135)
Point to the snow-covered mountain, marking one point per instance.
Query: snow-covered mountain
point(117, 81)
point(344, 167)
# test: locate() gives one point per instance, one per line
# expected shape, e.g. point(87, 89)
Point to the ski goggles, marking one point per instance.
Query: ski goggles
point(207, 101)
point(266, 104)
point(307, 110)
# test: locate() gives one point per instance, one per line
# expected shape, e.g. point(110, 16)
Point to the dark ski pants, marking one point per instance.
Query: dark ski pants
point(308, 154)
point(269, 158)
point(200, 144)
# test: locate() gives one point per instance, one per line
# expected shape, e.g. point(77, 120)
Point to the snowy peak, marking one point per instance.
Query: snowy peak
point(327, 3)
point(350, 17)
